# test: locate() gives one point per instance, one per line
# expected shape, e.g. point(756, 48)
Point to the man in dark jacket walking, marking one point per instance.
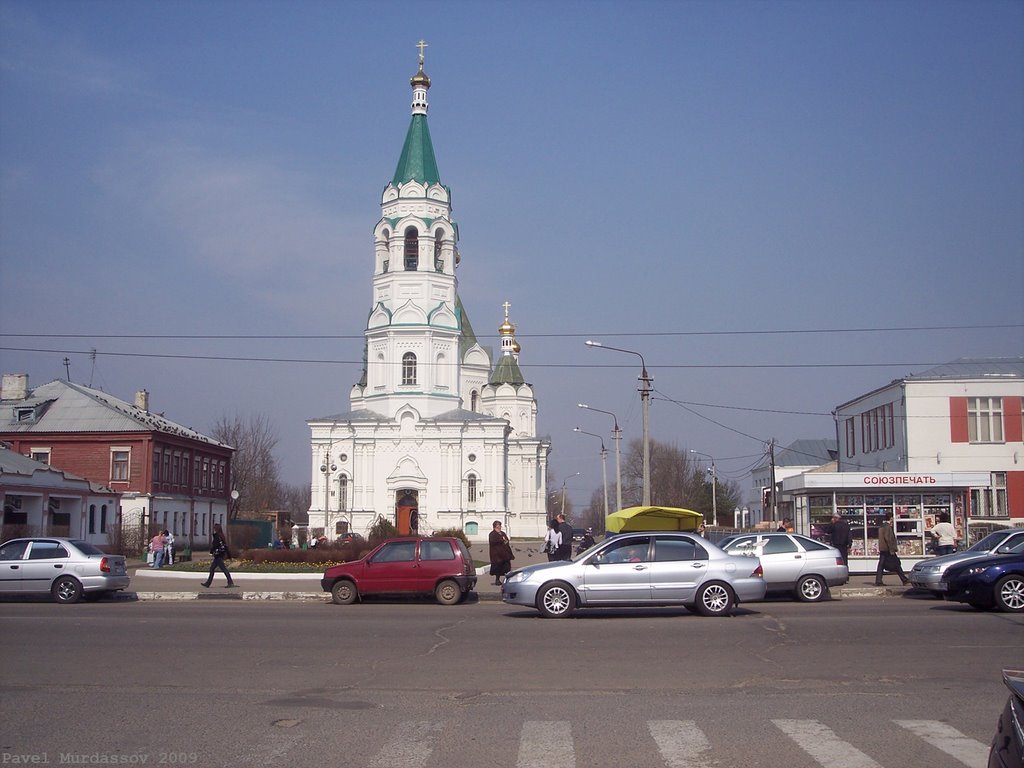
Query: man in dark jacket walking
point(888, 554)
point(841, 538)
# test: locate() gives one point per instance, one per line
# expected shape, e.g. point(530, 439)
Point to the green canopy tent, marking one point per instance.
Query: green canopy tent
point(653, 519)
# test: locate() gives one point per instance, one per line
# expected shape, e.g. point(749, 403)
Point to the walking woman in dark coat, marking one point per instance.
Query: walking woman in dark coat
point(500, 552)
point(219, 550)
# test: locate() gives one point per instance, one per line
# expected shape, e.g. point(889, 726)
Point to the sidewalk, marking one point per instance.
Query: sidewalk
point(150, 584)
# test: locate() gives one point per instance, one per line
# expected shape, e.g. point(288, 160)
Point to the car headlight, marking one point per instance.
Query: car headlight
point(975, 570)
point(930, 568)
point(517, 577)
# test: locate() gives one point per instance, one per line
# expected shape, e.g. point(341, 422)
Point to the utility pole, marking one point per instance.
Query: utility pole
point(775, 501)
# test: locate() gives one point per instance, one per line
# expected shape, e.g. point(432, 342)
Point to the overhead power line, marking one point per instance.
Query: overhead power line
point(588, 334)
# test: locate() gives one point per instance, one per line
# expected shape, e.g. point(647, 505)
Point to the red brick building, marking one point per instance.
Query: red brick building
point(169, 476)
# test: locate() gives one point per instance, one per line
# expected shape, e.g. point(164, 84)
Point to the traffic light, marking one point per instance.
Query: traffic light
point(766, 498)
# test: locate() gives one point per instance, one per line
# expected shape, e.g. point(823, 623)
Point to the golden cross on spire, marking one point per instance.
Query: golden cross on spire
point(421, 45)
point(506, 305)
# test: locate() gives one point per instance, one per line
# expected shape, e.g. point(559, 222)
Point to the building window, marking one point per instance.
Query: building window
point(438, 262)
point(103, 518)
point(166, 477)
point(92, 518)
point(471, 489)
point(851, 437)
point(473, 400)
point(42, 455)
point(195, 474)
point(156, 466)
point(985, 419)
point(408, 369)
point(412, 249)
point(176, 470)
point(25, 414)
point(991, 501)
point(342, 493)
point(119, 464)
point(877, 430)
point(206, 473)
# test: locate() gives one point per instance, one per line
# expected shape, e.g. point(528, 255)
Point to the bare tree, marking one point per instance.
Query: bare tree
point(253, 467)
point(294, 500)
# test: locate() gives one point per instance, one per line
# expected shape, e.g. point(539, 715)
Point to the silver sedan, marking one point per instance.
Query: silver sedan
point(929, 574)
point(639, 569)
point(792, 563)
point(67, 569)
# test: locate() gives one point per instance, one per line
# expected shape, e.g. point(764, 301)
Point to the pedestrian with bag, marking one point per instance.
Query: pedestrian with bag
point(888, 554)
point(500, 552)
point(552, 540)
point(219, 550)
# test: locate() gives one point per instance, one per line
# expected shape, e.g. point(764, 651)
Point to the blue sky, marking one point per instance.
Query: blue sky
point(676, 178)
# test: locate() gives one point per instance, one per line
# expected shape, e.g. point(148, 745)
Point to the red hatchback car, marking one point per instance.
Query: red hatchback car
point(407, 566)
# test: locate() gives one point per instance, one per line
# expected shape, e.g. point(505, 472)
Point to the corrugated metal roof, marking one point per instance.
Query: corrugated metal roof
point(63, 406)
point(974, 368)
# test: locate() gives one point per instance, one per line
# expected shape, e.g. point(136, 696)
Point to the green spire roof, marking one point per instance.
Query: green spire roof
point(507, 371)
point(417, 160)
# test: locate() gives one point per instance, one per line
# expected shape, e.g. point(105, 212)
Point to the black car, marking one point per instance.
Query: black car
point(1008, 744)
point(990, 582)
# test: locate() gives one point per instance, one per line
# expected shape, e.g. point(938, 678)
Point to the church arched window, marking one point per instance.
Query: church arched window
point(412, 249)
point(474, 398)
point(408, 368)
point(438, 263)
point(343, 493)
point(471, 489)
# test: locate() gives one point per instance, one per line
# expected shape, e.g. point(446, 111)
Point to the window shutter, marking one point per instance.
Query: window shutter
point(958, 419)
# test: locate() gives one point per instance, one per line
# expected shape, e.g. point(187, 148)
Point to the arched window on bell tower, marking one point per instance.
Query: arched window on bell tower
point(412, 249)
point(474, 397)
point(438, 262)
point(408, 369)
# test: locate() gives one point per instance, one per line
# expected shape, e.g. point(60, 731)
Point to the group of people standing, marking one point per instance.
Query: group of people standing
point(942, 532)
point(558, 539)
point(557, 545)
point(161, 547)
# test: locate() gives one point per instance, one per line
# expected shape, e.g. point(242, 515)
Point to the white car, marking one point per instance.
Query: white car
point(792, 563)
point(67, 569)
point(639, 570)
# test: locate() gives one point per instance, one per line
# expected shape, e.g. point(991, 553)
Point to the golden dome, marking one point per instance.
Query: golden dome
point(506, 328)
point(420, 78)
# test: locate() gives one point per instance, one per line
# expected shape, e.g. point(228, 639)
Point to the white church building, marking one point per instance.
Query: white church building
point(438, 435)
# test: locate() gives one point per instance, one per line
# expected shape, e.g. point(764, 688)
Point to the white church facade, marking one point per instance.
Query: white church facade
point(438, 435)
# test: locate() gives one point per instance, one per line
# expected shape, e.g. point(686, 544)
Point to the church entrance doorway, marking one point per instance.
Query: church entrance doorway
point(407, 512)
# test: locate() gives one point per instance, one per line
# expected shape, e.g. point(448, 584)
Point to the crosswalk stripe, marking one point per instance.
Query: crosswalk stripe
point(546, 745)
point(410, 746)
point(968, 751)
point(680, 742)
point(823, 745)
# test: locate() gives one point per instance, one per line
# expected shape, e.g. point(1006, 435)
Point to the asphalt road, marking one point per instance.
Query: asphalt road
point(894, 682)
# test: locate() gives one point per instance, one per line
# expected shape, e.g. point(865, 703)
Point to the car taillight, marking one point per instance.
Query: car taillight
point(839, 561)
point(105, 565)
point(758, 572)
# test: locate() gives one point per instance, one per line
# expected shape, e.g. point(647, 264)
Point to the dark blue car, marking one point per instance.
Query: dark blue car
point(991, 582)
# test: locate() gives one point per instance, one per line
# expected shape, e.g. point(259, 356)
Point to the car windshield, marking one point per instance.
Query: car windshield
point(988, 542)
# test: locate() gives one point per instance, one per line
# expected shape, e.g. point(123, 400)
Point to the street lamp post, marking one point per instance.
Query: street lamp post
point(604, 465)
point(714, 482)
point(328, 467)
point(617, 438)
point(645, 398)
point(576, 474)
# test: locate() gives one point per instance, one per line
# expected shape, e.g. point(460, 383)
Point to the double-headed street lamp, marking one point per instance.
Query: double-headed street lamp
point(617, 438)
point(604, 465)
point(714, 481)
point(645, 398)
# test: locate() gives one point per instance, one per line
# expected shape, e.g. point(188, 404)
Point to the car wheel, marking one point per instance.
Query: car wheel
point(714, 599)
point(344, 592)
point(448, 593)
point(1009, 593)
point(66, 590)
point(556, 601)
point(811, 589)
